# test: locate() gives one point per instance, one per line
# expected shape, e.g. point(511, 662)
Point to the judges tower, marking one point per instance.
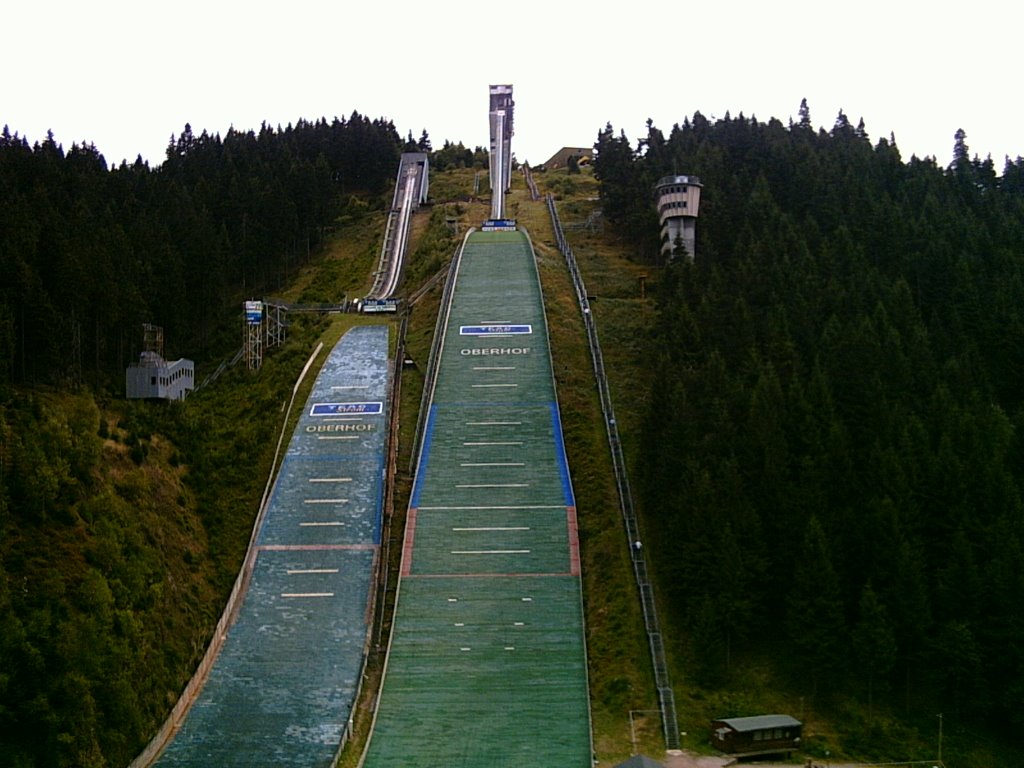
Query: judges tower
point(678, 203)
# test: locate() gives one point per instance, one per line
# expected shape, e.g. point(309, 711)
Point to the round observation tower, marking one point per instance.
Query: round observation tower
point(678, 199)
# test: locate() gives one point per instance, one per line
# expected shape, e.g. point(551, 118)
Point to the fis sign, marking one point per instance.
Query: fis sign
point(494, 330)
point(499, 225)
point(346, 409)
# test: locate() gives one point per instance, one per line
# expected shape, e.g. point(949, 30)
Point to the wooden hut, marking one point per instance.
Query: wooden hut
point(760, 735)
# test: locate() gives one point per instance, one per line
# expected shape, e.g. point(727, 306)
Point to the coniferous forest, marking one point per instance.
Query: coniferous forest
point(833, 461)
point(831, 470)
point(88, 253)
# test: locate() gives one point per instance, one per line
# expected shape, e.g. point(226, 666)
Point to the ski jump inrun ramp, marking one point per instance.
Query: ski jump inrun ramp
point(487, 665)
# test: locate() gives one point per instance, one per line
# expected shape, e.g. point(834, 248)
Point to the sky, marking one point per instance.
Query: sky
point(126, 76)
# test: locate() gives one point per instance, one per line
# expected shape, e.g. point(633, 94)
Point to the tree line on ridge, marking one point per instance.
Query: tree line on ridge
point(833, 459)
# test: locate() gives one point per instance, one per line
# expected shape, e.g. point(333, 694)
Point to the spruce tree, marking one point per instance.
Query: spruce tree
point(814, 612)
point(873, 643)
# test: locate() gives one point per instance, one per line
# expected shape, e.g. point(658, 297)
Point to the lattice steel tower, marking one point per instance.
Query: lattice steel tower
point(253, 336)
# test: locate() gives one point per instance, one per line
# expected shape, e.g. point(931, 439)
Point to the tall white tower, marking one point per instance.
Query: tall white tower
point(502, 107)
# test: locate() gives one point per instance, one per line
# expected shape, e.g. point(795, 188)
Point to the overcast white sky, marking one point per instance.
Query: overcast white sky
point(126, 75)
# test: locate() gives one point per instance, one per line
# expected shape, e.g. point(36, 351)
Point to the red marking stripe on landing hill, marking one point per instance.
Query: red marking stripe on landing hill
point(410, 535)
point(489, 575)
point(574, 542)
point(313, 547)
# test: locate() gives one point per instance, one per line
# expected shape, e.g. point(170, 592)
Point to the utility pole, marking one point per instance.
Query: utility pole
point(940, 739)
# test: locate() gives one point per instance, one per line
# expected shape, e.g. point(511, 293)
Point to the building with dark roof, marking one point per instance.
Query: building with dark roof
point(759, 735)
point(583, 155)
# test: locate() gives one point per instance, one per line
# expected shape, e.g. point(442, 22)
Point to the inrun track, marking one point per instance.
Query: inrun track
point(487, 663)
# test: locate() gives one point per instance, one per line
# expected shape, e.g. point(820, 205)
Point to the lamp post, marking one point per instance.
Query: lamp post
point(939, 760)
point(632, 725)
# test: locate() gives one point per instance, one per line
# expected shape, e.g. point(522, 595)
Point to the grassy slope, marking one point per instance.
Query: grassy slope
point(620, 672)
point(620, 668)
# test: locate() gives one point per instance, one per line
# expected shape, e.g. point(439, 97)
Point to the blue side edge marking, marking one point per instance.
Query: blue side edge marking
point(421, 469)
point(563, 463)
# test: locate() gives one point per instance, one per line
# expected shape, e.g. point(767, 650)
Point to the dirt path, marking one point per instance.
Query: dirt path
point(683, 759)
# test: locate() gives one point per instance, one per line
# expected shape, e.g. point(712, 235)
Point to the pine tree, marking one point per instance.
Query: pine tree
point(804, 115)
point(814, 614)
point(873, 642)
point(961, 154)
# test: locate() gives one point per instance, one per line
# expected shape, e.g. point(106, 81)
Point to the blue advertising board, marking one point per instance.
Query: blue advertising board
point(380, 305)
point(253, 312)
point(341, 409)
point(494, 330)
point(499, 225)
